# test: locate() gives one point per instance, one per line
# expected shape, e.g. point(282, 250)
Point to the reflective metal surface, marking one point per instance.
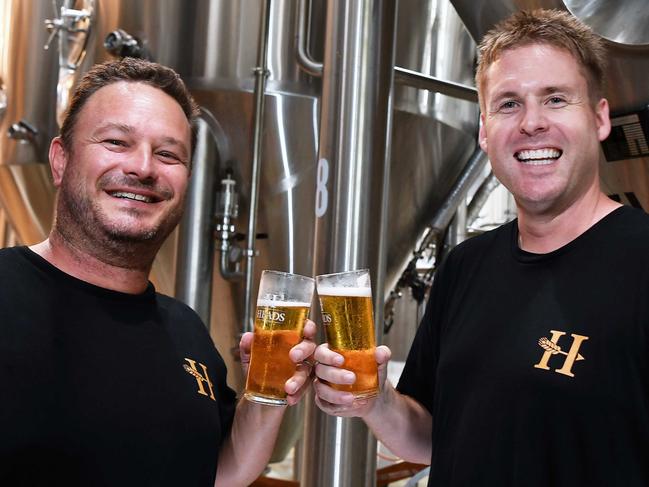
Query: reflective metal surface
point(433, 134)
point(27, 195)
point(196, 242)
point(286, 211)
point(71, 27)
point(350, 189)
point(625, 22)
point(259, 93)
point(28, 75)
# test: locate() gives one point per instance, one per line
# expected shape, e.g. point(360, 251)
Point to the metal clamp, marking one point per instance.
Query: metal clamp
point(68, 21)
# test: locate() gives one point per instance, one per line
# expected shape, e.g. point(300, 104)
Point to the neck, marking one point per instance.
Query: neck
point(548, 231)
point(109, 273)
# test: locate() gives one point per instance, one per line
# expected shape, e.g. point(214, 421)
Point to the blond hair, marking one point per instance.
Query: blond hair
point(552, 27)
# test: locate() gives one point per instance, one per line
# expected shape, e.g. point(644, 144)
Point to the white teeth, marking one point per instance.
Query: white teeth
point(538, 156)
point(131, 196)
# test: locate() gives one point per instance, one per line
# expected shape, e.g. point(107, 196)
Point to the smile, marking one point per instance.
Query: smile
point(131, 196)
point(538, 157)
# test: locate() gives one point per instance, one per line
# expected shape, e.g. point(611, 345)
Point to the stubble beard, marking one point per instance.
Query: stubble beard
point(84, 224)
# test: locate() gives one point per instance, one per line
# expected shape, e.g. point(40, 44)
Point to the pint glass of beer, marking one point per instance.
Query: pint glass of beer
point(283, 306)
point(346, 302)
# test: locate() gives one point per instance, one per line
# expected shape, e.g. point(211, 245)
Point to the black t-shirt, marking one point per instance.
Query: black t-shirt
point(535, 367)
point(101, 388)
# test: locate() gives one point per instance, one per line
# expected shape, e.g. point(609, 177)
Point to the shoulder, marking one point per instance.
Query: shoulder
point(631, 219)
point(475, 249)
point(177, 310)
point(626, 229)
point(182, 321)
point(10, 255)
point(16, 269)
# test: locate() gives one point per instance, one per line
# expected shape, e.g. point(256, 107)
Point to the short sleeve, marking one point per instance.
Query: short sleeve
point(418, 376)
point(227, 405)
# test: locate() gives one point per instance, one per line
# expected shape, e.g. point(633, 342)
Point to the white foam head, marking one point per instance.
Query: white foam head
point(356, 292)
point(284, 304)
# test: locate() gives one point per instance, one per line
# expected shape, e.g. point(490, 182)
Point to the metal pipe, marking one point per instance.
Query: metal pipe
point(422, 81)
point(196, 232)
point(434, 233)
point(480, 198)
point(351, 179)
point(261, 73)
point(304, 59)
point(225, 230)
point(73, 30)
point(383, 234)
point(460, 189)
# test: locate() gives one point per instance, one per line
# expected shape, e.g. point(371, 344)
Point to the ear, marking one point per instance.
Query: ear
point(602, 119)
point(58, 160)
point(482, 134)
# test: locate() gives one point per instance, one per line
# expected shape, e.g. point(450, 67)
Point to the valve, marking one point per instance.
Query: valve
point(122, 44)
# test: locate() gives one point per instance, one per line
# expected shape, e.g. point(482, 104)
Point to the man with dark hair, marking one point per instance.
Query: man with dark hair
point(530, 365)
point(104, 381)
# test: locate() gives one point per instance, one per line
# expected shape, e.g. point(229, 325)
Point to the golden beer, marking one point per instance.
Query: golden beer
point(349, 325)
point(278, 328)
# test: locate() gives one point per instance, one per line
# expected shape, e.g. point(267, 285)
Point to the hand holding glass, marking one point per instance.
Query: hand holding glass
point(283, 304)
point(346, 302)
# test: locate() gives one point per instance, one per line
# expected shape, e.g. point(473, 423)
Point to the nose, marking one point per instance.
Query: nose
point(533, 120)
point(141, 163)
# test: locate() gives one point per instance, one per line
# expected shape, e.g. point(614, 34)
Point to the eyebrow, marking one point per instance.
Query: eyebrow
point(548, 90)
point(113, 126)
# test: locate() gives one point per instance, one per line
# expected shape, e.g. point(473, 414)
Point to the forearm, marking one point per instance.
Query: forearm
point(247, 450)
point(402, 424)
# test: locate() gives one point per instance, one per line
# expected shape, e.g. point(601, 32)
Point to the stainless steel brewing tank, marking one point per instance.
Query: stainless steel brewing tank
point(433, 137)
point(27, 120)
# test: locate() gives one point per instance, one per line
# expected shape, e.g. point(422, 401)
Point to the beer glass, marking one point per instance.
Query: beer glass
point(348, 319)
point(283, 304)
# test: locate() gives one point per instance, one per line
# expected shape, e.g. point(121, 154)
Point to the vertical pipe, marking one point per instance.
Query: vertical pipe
point(195, 260)
point(350, 203)
point(261, 73)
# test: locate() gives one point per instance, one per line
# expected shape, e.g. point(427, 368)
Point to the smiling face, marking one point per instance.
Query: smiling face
point(540, 128)
point(125, 178)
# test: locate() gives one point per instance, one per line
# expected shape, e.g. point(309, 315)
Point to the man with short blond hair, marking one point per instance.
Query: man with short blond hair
point(530, 365)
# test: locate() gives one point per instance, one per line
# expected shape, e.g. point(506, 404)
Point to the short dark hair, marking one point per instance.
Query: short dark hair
point(134, 71)
point(552, 27)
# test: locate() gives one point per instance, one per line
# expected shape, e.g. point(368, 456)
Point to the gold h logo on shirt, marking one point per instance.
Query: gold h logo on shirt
point(200, 378)
point(552, 347)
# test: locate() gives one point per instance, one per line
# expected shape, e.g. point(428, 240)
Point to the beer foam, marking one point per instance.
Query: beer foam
point(356, 292)
point(285, 304)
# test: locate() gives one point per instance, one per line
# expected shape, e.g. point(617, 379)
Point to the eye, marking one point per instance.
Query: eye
point(169, 157)
point(507, 106)
point(114, 144)
point(556, 101)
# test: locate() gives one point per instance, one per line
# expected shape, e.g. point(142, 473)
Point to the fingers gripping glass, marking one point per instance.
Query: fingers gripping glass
point(283, 304)
point(346, 303)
